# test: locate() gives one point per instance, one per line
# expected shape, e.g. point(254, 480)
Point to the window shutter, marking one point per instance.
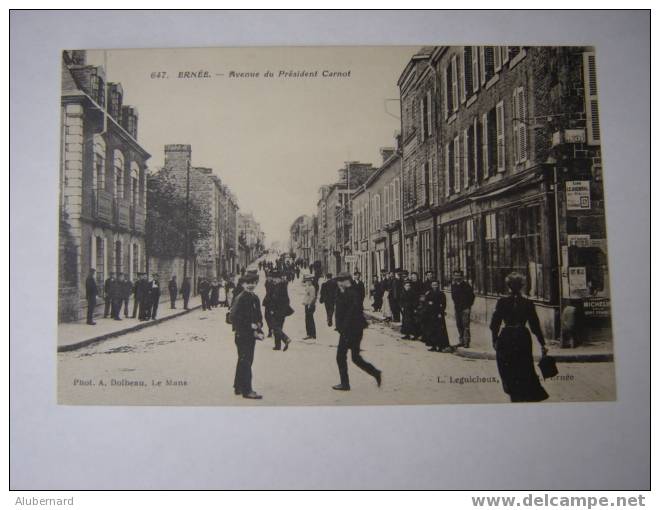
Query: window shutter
point(454, 83)
point(475, 69)
point(422, 119)
point(484, 144)
point(505, 54)
point(591, 98)
point(457, 164)
point(477, 146)
point(482, 61)
point(465, 159)
point(467, 71)
point(516, 120)
point(489, 55)
point(448, 170)
point(431, 181)
point(498, 57)
point(444, 86)
point(522, 124)
point(461, 84)
point(499, 121)
point(397, 199)
point(429, 113)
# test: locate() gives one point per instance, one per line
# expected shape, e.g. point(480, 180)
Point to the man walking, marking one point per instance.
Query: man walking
point(204, 290)
point(359, 285)
point(172, 287)
point(350, 324)
point(328, 296)
point(246, 321)
point(107, 294)
point(309, 300)
point(277, 306)
point(154, 295)
point(91, 292)
point(463, 297)
point(185, 291)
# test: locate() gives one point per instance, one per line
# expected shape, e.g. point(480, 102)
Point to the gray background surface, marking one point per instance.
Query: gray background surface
point(547, 446)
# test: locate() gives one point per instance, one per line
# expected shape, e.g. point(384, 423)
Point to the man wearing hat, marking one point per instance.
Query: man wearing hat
point(246, 320)
point(328, 295)
point(277, 307)
point(91, 291)
point(108, 289)
point(173, 288)
point(142, 296)
point(309, 300)
point(350, 323)
point(154, 295)
point(116, 296)
point(359, 285)
point(463, 297)
point(185, 291)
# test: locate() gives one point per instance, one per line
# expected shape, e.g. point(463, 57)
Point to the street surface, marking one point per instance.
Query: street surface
point(190, 360)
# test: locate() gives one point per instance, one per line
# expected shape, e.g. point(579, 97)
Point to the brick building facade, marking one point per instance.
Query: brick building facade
point(103, 171)
point(516, 183)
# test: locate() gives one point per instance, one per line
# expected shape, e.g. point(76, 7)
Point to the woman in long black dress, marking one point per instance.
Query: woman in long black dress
point(408, 305)
point(513, 344)
point(434, 327)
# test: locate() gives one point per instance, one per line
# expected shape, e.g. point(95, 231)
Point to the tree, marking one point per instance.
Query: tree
point(166, 218)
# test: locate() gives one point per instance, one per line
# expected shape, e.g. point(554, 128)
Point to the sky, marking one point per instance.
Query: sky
point(272, 140)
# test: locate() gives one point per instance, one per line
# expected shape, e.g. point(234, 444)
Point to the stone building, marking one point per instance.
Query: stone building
point(377, 217)
point(103, 171)
point(517, 183)
point(251, 239)
point(322, 244)
point(303, 238)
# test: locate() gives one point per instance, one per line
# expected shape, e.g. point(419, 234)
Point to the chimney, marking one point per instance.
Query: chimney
point(386, 153)
point(177, 156)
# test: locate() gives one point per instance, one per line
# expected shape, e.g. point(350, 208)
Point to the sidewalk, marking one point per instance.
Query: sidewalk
point(481, 343)
point(73, 335)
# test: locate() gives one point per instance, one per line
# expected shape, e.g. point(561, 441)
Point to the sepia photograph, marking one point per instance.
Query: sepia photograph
point(372, 225)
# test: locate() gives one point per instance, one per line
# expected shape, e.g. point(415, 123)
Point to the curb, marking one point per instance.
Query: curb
point(136, 327)
point(596, 357)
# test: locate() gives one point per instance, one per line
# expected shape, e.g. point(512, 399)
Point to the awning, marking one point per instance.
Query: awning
point(489, 194)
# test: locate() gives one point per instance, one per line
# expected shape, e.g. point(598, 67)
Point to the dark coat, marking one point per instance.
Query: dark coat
point(349, 316)
point(154, 290)
point(462, 295)
point(244, 312)
point(126, 289)
point(277, 300)
point(204, 287)
point(359, 287)
point(328, 292)
point(185, 288)
point(108, 287)
point(172, 287)
point(91, 290)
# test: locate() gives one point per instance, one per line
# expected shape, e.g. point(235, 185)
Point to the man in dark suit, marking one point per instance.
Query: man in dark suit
point(463, 297)
point(172, 287)
point(142, 296)
point(154, 295)
point(185, 291)
point(395, 287)
point(116, 296)
point(204, 290)
point(358, 284)
point(328, 296)
point(91, 292)
point(246, 320)
point(107, 294)
point(127, 289)
point(350, 324)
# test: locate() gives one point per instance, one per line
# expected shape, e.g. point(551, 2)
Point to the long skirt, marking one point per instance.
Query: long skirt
point(434, 332)
point(408, 326)
point(516, 366)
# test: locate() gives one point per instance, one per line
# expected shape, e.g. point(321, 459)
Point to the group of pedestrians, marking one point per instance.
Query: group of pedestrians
point(215, 292)
point(343, 297)
point(117, 291)
point(420, 306)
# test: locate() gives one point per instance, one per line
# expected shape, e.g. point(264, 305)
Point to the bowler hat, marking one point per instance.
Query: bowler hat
point(343, 275)
point(251, 278)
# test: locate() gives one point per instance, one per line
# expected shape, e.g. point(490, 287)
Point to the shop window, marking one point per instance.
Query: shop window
point(458, 250)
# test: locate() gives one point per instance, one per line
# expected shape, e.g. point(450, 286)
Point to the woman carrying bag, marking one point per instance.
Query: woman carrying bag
point(513, 344)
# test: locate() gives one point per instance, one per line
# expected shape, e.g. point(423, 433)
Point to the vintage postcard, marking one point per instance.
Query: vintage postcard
point(332, 226)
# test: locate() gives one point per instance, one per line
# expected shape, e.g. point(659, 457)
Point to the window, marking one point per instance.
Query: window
point(499, 130)
point(118, 164)
point(591, 98)
point(449, 95)
point(470, 155)
point(489, 143)
point(397, 201)
point(449, 168)
point(467, 88)
point(513, 242)
point(488, 63)
point(456, 151)
point(425, 245)
point(100, 260)
point(458, 250)
point(426, 116)
point(475, 68)
point(454, 83)
point(420, 186)
point(519, 125)
point(497, 58)
point(135, 187)
point(99, 163)
point(478, 155)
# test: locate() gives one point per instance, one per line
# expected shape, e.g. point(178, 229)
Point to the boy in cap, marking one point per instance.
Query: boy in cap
point(309, 300)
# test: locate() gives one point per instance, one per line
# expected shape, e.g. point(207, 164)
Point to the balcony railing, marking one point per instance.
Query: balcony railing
point(122, 207)
point(102, 205)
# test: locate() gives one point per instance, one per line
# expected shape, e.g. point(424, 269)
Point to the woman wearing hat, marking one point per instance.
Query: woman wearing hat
point(513, 344)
